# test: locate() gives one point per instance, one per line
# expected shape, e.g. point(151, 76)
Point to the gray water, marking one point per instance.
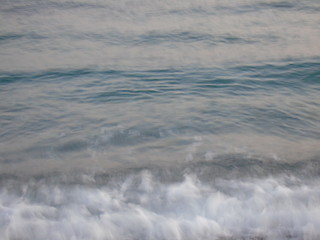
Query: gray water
point(159, 119)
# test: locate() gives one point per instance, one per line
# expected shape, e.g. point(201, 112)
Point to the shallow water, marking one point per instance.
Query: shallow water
point(159, 119)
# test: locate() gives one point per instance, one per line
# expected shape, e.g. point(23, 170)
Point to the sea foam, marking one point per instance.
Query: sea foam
point(140, 206)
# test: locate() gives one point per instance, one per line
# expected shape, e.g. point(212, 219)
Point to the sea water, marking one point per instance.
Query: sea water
point(157, 119)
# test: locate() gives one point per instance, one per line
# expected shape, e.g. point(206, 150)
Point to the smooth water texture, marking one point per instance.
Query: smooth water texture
point(159, 119)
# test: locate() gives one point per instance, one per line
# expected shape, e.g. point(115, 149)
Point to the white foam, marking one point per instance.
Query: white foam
point(141, 207)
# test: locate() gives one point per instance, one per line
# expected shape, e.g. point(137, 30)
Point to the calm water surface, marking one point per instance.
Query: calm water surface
point(159, 119)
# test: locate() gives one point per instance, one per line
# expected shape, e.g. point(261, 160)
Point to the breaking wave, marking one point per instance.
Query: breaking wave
point(197, 201)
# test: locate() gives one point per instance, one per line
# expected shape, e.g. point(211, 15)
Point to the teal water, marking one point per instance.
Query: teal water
point(159, 120)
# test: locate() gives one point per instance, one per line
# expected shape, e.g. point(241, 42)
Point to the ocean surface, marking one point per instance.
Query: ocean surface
point(158, 119)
